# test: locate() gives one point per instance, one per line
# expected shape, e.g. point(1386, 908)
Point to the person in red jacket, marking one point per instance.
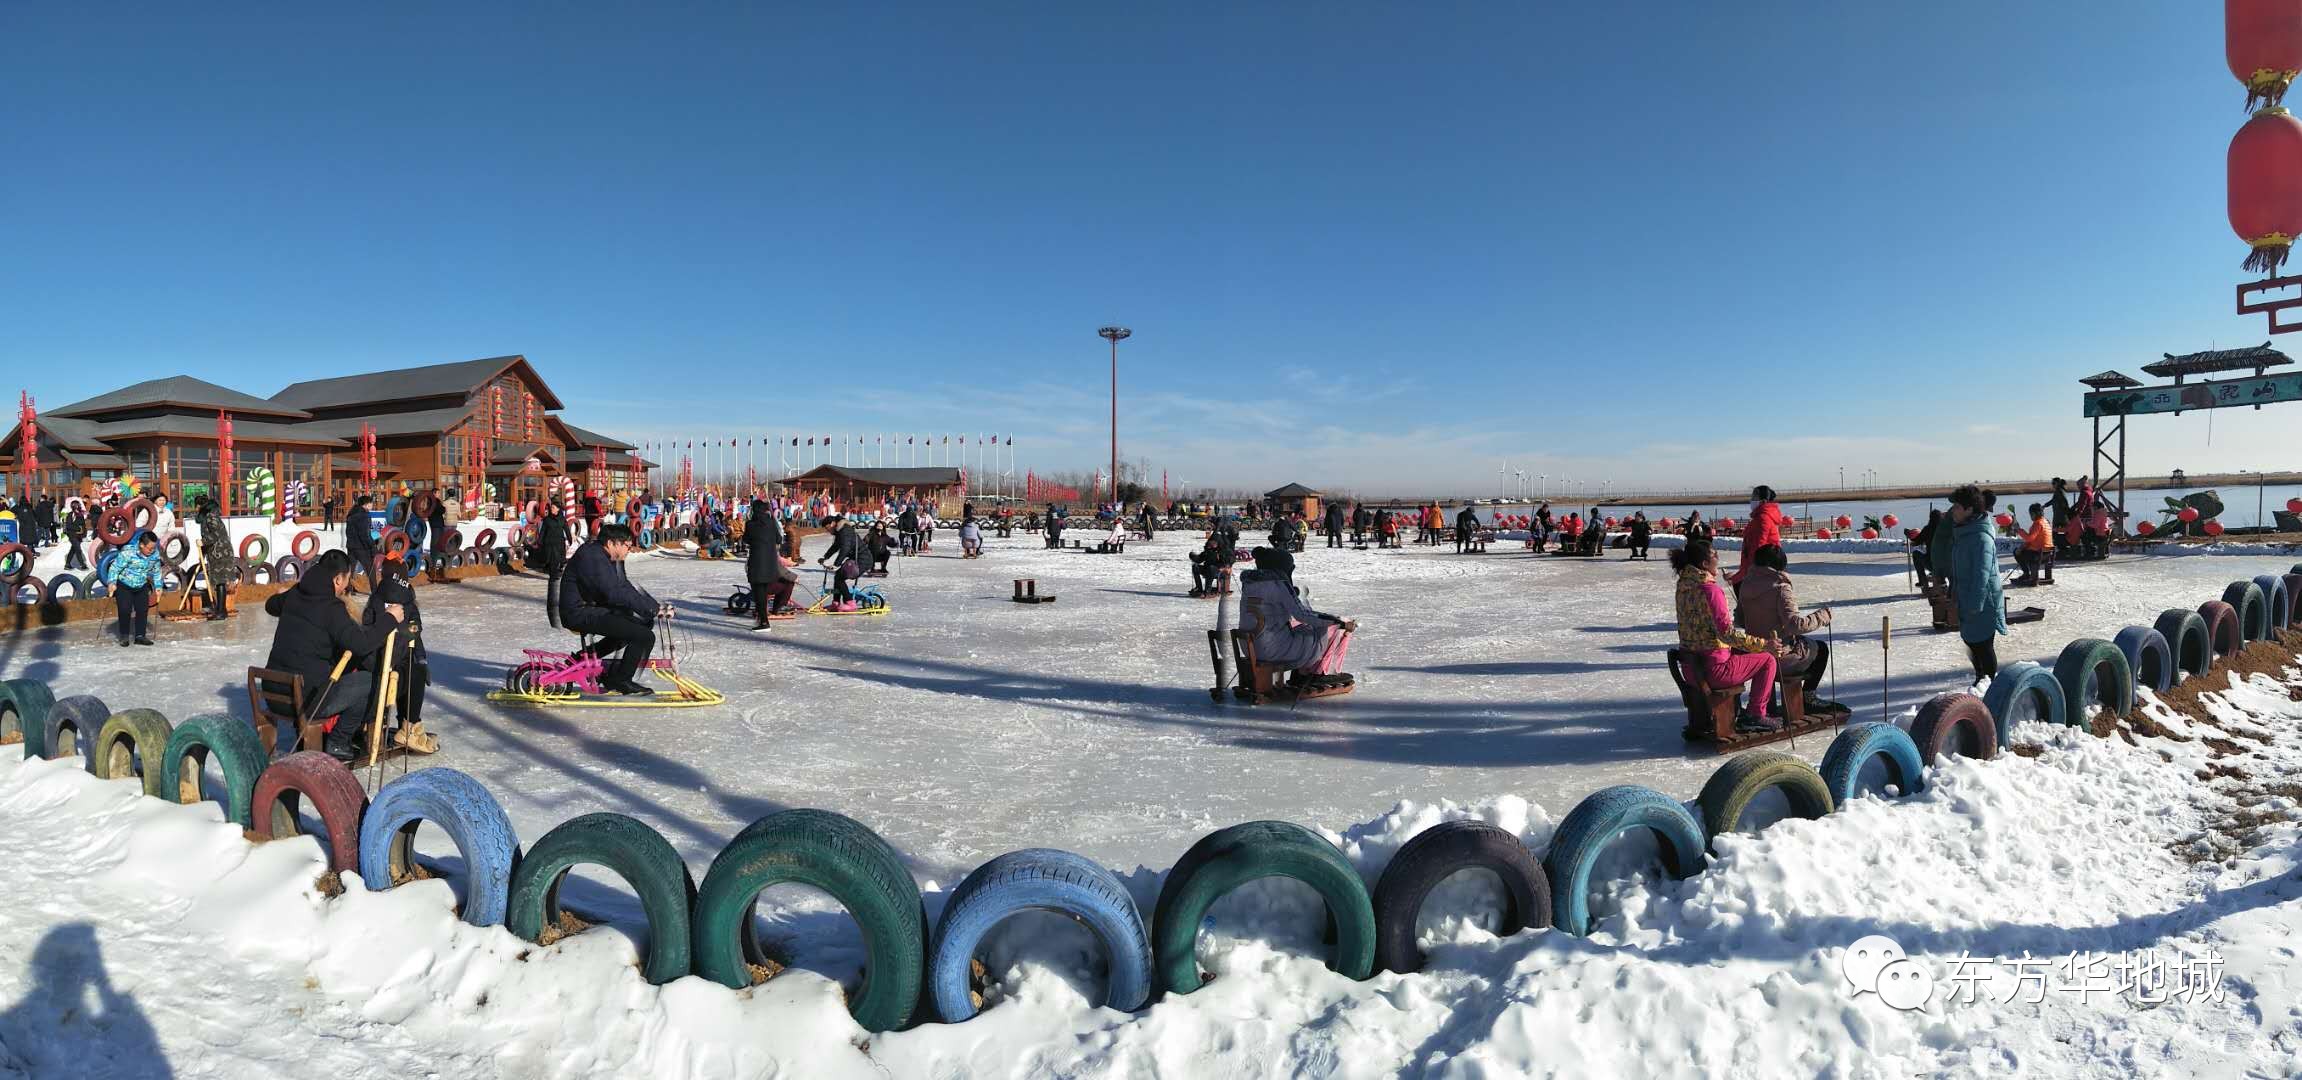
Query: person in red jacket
point(1763, 529)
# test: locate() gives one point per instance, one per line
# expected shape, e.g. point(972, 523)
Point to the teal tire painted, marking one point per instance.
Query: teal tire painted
point(230, 741)
point(840, 856)
point(637, 854)
point(2293, 584)
point(1729, 791)
point(1227, 858)
point(1859, 745)
point(2093, 672)
point(2187, 634)
point(2024, 690)
point(24, 705)
point(2279, 598)
point(1598, 820)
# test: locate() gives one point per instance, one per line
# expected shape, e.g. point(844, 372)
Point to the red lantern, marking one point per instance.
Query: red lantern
point(1890, 521)
point(1611, 523)
point(1843, 521)
point(1910, 534)
point(2294, 506)
point(2262, 40)
point(1726, 523)
point(1822, 534)
point(2004, 520)
point(2211, 528)
point(2188, 514)
point(2266, 187)
point(2145, 529)
point(1870, 534)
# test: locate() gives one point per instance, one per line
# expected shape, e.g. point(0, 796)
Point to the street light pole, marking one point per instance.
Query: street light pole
point(1115, 335)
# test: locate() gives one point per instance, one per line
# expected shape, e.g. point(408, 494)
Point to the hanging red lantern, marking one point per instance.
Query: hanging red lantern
point(2145, 529)
point(1870, 534)
point(1910, 534)
point(2188, 514)
point(1890, 521)
point(1843, 521)
point(2294, 506)
point(2265, 181)
point(1822, 534)
point(2262, 40)
point(2005, 521)
point(1726, 523)
point(2211, 528)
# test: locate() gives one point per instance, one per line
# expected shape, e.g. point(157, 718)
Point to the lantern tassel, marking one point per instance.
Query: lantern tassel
point(2269, 255)
point(2267, 88)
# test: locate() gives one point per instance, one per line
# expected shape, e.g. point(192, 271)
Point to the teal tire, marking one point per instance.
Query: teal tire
point(2024, 690)
point(1859, 745)
point(230, 741)
point(2187, 634)
point(2253, 609)
point(1227, 858)
point(1596, 821)
point(2093, 672)
point(1729, 791)
point(24, 705)
point(637, 854)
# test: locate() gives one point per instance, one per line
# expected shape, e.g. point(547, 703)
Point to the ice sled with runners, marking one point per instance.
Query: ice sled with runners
point(572, 679)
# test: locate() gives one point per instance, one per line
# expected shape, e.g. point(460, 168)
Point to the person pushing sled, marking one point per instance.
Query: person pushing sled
point(599, 601)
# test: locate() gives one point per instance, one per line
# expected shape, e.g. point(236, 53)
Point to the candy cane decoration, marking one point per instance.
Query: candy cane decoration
point(263, 491)
point(563, 492)
point(292, 498)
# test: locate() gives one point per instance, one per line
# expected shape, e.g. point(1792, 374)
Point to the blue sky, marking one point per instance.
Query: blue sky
point(1384, 247)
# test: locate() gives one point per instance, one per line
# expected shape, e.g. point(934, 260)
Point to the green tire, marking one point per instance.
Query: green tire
point(233, 744)
point(637, 854)
point(840, 856)
point(126, 736)
point(24, 705)
point(1730, 790)
point(1225, 859)
point(2093, 672)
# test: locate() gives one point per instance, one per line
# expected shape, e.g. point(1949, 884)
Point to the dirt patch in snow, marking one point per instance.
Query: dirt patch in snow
point(2273, 657)
point(567, 925)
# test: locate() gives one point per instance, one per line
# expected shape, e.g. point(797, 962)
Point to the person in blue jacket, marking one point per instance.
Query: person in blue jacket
point(133, 575)
point(1974, 581)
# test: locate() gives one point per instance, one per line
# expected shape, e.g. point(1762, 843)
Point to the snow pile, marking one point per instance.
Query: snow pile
point(138, 929)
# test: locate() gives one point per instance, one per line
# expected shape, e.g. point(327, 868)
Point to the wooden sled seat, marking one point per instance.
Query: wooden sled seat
point(1259, 682)
point(276, 704)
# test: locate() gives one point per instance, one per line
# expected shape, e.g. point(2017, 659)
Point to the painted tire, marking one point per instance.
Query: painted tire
point(2293, 584)
point(82, 716)
point(2148, 656)
point(1433, 855)
point(1857, 746)
point(232, 743)
point(104, 562)
point(22, 567)
point(485, 540)
point(840, 856)
point(1598, 819)
point(24, 705)
point(93, 586)
point(2186, 633)
point(176, 551)
point(1941, 720)
point(331, 789)
point(30, 592)
point(1227, 858)
point(2278, 601)
point(455, 539)
point(639, 855)
point(66, 587)
point(2093, 672)
point(2253, 608)
point(142, 514)
point(466, 812)
point(116, 527)
point(393, 544)
point(262, 544)
point(1040, 879)
point(287, 569)
point(305, 545)
point(476, 557)
point(256, 573)
point(126, 736)
point(1731, 788)
point(2222, 627)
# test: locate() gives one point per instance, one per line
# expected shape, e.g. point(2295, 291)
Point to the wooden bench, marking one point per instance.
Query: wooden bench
point(1258, 682)
point(1027, 592)
point(276, 702)
point(1711, 713)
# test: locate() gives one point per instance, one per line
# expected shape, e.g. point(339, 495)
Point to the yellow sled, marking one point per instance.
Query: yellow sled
point(686, 694)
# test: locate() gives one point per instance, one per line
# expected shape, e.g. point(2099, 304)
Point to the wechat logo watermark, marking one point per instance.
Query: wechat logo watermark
point(1876, 965)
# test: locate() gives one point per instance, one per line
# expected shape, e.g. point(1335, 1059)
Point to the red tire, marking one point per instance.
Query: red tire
point(2221, 628)
point(332, 790)
point(394, 544)
point(39, 591)
point(116, 527)
point(23, 563)
point(1955, 723)
point(2293, 599)
point(143, 514)
point(174, 555)
point(455, 540)
point(485, 540)
point(306, 545)
point(262, 544)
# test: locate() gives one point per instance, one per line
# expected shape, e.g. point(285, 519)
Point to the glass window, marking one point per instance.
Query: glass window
point(192, 465)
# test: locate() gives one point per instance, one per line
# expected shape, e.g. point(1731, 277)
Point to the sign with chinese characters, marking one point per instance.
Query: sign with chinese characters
point(2211, 394)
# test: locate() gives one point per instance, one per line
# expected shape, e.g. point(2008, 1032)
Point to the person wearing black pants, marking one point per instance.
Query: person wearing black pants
point(599, 600)
point(133, 604)
point(75, 534)
point(360, 538)
point(762, 540)
point(552, 559)
point(1641, 534)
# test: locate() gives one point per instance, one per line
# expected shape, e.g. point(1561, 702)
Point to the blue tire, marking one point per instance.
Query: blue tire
point(72, 726)
point(1597, 820)
point(93, 586)
point(239, 756)
point(2093, 671)
point(2185, 632)
point(2280, 602)
point(1040, 879)
point(2148, 656)
point(104, 564)
point(2023, 684)
point(2253, 608)
point(471, 817)
point(24, 705)
point(1860, 744)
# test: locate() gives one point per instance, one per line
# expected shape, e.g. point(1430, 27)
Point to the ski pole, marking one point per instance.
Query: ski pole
point(1885, 646)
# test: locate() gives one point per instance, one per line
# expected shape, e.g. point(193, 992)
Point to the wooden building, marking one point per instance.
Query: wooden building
point(869, 487)
point(440, 427)
point(1292, 498)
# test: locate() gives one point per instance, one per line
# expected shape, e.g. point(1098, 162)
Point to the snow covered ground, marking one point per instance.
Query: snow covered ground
point(962, 726)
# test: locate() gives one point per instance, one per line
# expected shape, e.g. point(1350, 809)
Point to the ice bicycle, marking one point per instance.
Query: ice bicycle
point(572, 679)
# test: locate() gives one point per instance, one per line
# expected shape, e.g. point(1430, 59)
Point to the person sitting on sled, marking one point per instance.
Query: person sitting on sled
point(1290, 634)
point(1772, 614)
point(1642, 534)
point(845, 556)
point(1726, 658)
point(1210, 561)
point(2036, 555)
point(879, 546)
point(597, 599)
point(970, 539)
point(409, 659)
point(314, 630)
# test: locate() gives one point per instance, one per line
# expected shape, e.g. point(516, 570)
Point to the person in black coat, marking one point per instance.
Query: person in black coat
point(437, 520)
point(1641, 534)
point(314, 630)
point(552, 559)
point(845, 556)
point(1466, 527)
point(46, 515)
point(1054, 527)
point(907, 529)
point(599, 600)
point(1334, 524)
point(360, 537)
point(409, 657)
point(762, 538)
point(75, 531)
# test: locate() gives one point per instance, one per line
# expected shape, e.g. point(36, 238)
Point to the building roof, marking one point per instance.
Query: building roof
point(2110, 380)
point(518, 455)
point(183, 391)
point(204, 427)
point(426, 422)
point(67, 432)
point(586, 437)
point(1292, 491)
point(2213, 360)
point(407, 384)
point(921, 476)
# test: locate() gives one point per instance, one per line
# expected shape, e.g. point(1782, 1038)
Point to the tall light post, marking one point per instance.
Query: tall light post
point(1115, 335)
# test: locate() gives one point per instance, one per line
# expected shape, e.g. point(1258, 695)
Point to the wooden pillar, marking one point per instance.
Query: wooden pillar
point(279, 482)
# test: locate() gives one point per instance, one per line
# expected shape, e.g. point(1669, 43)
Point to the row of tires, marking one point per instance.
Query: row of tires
point(706, 929)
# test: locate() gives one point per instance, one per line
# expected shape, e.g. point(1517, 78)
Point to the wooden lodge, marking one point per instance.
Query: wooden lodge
point(936, 486)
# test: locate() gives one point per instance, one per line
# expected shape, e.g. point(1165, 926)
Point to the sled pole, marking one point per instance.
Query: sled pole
point(1885, 647)
point(1830, 631)
point(383, 701)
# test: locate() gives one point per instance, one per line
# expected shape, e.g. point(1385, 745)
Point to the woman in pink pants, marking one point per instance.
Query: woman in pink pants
point(1730, 657)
